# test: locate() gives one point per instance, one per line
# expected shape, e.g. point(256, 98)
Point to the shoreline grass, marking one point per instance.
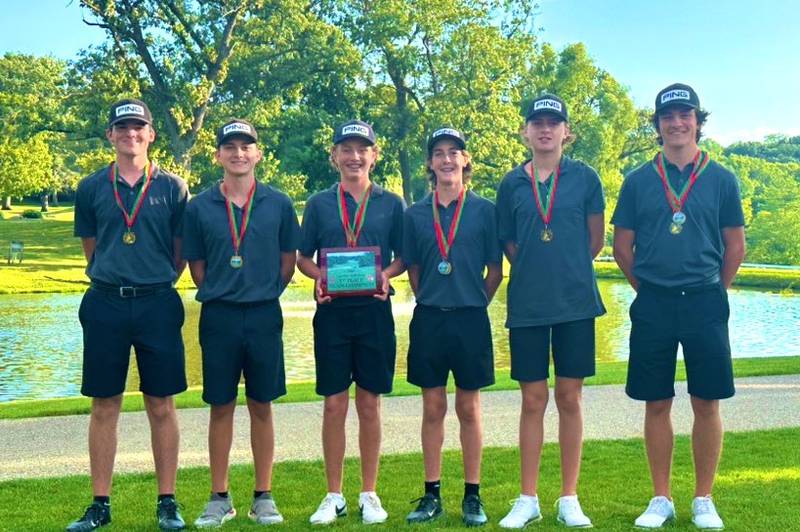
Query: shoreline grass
point(614, 488)
point(301, 392)
point(54, 260)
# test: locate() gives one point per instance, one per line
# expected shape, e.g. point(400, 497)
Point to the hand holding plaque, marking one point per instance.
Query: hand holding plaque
point(351, 271)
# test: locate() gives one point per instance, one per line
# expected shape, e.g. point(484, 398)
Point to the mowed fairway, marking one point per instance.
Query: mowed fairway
point(757, 489)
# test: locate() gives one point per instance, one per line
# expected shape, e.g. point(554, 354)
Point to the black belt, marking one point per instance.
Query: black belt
point(713, 284)
point(131, 291)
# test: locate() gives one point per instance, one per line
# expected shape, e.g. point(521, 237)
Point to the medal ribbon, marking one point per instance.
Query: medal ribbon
point(351, 231)
point(237, 234)
point(699, 164)
point(545, 209)
point(444, 247)
point(130, 218)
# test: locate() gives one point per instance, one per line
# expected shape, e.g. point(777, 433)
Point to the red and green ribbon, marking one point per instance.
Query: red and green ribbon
point(545, 207)
point(130, 217)
point(675, 200)
point(444, 246)
point(352, 230)
point(237, 233)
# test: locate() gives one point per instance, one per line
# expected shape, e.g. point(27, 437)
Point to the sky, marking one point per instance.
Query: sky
point(741, 56)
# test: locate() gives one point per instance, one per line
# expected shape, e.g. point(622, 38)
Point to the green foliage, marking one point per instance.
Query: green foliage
point(775, 148)
point(32, 214)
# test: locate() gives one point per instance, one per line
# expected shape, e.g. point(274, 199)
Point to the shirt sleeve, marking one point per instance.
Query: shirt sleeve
point(625, 212)
point(595, 199)
point(396, 234)
point(308, 231)
point(409, 240)
point(289, 235)
point(492, 249)
point(506, 228)
point(85, 220)
point(181, 198)
point(193, 247)
point(730, 210)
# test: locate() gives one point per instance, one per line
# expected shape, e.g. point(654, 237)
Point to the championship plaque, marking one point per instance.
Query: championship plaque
point(352, 271)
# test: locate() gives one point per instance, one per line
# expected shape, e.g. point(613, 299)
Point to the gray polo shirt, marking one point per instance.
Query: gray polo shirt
point(693, 256)
point(150, 259)
point(383, 227)
point(272, 230)
point(474, 247)
point(551, 282)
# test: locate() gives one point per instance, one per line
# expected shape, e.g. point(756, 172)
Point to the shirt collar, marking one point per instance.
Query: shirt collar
point(216, 192)
point(377, 190)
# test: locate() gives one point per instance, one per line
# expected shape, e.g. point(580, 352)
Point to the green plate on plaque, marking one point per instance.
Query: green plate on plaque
point(350, 271)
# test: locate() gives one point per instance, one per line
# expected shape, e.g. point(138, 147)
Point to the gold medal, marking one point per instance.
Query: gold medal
point(546, 235)
point(237, 261)
point(128, 237)
point(675, 228)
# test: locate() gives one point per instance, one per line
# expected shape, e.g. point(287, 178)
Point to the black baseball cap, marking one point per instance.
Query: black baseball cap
point(129, 109)
point(677, 94)
point(354, 129)
point(547, 104)
point(446, 133)
point(236, 127)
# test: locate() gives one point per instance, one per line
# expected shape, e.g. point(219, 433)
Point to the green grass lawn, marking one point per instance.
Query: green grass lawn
point(607, 373)
point(757, 489)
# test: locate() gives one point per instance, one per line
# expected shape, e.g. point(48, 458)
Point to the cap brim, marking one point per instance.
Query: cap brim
point(543, 113)
point(458, 140)
point(354, 136)
point(229, 136)
point(131, 118)
point(688, 105)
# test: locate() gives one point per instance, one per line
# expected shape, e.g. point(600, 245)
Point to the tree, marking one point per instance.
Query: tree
point(31, 97)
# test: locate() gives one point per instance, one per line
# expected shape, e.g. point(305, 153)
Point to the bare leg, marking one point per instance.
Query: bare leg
point(262, 442)
point(659, 439)
point(468, 410)
point(706, 443)
point(333, 438)
point(103, 442)
point(434, 408)
point(220, 437)
point(531, 432)
point(570, 431)
point(165, 439)
point(368, 406)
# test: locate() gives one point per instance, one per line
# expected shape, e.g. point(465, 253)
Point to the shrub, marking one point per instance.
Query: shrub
point(32, 214)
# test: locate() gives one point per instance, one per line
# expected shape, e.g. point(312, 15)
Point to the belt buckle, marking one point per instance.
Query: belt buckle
point(127, 291)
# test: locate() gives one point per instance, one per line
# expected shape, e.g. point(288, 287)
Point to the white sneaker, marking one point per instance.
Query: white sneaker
point(659, 511)
point(570, 513)
point(371, 510)
point(525, 511)
point(331, 507)
point(704, 514)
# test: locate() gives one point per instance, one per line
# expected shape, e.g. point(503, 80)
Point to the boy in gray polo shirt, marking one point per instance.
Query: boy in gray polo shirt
point(354, 337)
point(679, 239)
point(240, 238)
point(550, 215)
point(128, 216)
point(449, 239)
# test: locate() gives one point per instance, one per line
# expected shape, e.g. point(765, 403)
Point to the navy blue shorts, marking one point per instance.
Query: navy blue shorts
point(444, 340)
point(354, 344)
point(242, 338)
point(573, 350)
point(151, 324)
point(697, 318)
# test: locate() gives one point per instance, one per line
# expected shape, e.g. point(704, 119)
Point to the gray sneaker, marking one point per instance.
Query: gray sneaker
point(218, 511)
point(264, 512)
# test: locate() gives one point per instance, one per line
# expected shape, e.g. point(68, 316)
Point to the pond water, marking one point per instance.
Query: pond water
point(40, 336)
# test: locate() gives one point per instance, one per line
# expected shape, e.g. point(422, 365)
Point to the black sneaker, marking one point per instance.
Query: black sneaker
point(95, 516)
point(168, 515)
point(428, 509)
point(472, 508)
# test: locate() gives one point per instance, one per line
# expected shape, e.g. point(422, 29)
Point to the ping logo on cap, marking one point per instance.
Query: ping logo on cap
point(675, 94)
point(548, 104)
point(446, 131)
point(236, 127)
point(357, 129)
point(130, 109)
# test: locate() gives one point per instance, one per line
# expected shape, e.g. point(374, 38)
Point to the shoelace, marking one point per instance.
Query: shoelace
point(214, 510)
point(170, 507)
point(659, 506)
point(93, 513)
point(704, 506)
point(327, 502)
point(425, 502)
point(473, 505)
point(372, 501)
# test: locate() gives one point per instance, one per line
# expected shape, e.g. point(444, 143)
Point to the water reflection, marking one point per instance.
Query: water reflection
point(40, 336)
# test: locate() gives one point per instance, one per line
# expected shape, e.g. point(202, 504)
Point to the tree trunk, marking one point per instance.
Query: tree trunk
point(6, 203)
point(45, 202)
point(405, 172)
point(54, 201)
